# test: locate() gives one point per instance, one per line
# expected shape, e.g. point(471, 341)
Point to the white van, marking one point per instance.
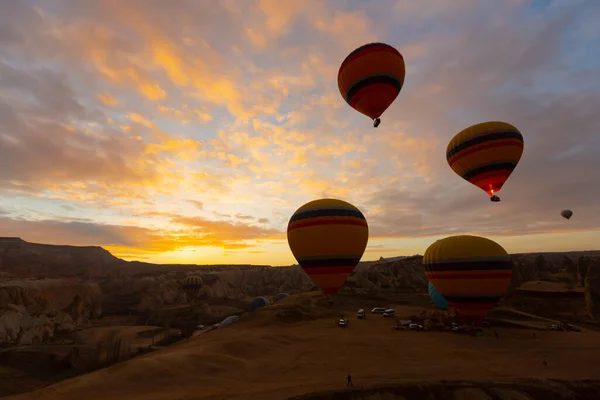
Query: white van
point(378, 310)
point(390, 312)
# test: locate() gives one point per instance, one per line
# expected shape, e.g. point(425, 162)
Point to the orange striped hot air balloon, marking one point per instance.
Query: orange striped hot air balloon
point(191, 286)
point(486, 155)
point(371, 78)
point(328, 238)
point(472, 273)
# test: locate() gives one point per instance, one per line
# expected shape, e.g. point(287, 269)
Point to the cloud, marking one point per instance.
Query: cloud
point(199, 232)
point(197, 203)
point(158, 117)
point(227, 231)
point(244, 217)
point(107, 99)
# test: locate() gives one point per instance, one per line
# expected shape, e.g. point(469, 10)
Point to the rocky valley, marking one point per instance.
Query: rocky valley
point(52, 297)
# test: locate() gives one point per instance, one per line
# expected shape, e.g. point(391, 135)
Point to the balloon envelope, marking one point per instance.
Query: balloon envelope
point(371, 78)
point(566, 214)
point(228, 321)
point(437, 298)
point(472, 273)
point(191, 286)
point(328, 238)
point(258, 302)
point(486, 154)
point(280, 296)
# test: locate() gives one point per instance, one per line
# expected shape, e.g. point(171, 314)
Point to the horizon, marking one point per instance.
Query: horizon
point(281, 265)
point(189, 134)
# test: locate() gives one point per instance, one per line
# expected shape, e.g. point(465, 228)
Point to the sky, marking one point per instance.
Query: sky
point(190, 131)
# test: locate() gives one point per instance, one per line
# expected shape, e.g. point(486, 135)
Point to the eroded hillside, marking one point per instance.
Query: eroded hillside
point(88, 283)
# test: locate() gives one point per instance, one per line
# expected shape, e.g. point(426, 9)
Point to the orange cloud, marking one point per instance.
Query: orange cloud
point(107, 99)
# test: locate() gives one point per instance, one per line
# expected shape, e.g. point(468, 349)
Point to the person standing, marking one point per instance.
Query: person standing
point(349, 381)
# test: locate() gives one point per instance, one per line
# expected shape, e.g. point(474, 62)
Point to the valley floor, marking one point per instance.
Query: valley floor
point(265, 357)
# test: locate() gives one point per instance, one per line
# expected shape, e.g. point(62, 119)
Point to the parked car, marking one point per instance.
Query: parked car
point(342, 323)
point(554, 327)
point(390, 312)
point(415, 327)
point(361, 314)
point(378, 310)
point(573, 328)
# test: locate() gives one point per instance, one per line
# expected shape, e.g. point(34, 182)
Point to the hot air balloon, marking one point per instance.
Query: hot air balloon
point(258, 302)
point(486, 155)
point(437, 298)
point(191, 286)
point(566, 214)
point(472, 273)
point(370, 79)
point(328, 238)
point(280, 296)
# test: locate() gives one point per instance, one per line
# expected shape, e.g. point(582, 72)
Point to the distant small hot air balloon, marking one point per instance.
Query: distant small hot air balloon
point(191, 286)
point(279, 297)
point(258, 302)
point(371, 78)
point(472, 273)
point(566, 214)
point(328, 238)
point(486, 155)
point(437, 298)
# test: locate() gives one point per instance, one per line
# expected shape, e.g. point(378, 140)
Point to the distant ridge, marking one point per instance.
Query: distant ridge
point(391, 259)
point(15, 240)
point(11, 240)
point(16, 252)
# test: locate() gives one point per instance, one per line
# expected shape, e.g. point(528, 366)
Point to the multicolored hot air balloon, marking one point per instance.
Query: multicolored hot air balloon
point(328, 238)
point(258, 302)
point(371, 78)
point(437, 298)
point(472, 273)
point(191, 286)
point(566, 214)
point(486, 155)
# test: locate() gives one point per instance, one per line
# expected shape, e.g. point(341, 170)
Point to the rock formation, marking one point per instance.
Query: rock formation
point(402, 275)
point(89, 282)
point(31, 311)
point(592, 287)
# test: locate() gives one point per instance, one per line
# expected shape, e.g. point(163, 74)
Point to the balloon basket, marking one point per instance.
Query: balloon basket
point(376, 122)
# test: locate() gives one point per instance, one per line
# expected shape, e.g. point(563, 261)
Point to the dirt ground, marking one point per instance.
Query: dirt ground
point(265, 357)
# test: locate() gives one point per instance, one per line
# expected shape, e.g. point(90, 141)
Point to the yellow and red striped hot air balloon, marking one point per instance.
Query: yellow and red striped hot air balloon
point(486, 155)
point(371, 78)
point(328, 238)
point(191, 286)
point(471, 272)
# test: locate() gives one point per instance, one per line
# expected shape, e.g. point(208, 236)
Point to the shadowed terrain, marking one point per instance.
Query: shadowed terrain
point(123, 323)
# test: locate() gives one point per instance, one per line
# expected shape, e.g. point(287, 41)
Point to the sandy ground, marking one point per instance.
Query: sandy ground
point(259, 358)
